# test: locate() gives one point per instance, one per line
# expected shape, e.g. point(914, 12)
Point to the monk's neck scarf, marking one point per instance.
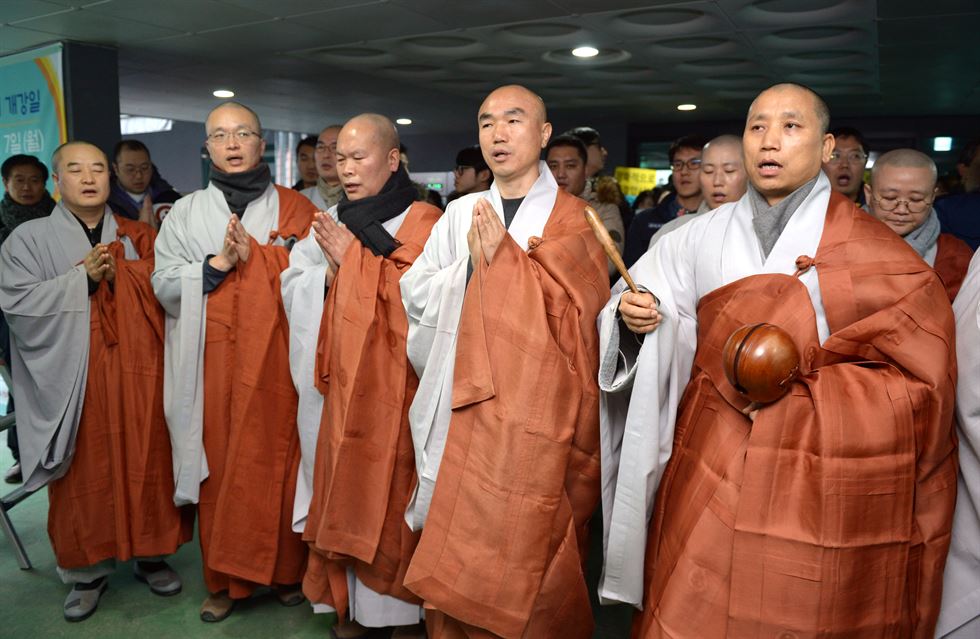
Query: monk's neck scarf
point(240, 189)
point(924, 238)
point(364, 217)
point(13, 214)
point(330, 194)
point(769, 221)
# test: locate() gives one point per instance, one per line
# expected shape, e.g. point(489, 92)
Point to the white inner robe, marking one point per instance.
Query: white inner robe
point(303, 294)
point(432, 291)
point(961, 579)
point(195, 228)
point(637, 429)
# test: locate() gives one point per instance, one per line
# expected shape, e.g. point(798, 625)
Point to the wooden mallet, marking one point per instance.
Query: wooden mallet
point(609, 246)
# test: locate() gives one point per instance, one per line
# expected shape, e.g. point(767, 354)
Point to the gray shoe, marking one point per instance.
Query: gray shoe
point(13, 474)
point(80, 604)
point(161, 578)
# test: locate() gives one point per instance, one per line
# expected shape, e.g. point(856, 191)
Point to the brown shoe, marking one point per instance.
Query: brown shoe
point(409, 632)
point(348, 630)
point(291, 595)
point(217, 607)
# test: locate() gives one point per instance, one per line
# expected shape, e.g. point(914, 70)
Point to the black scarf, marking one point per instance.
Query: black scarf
point(363, 217)
point(13, 214)
point(242, 188)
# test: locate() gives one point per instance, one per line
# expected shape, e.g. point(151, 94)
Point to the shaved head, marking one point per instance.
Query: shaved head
point(56, 156)
point(819, 105)
point(332, 127)
point(379, 126)
point(727, 140)
point(904, 159)
point(534, 100)
point(231, 105)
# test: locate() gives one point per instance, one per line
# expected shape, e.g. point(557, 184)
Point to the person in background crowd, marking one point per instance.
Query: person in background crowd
point(845, 168)
point(306, 163)
point(471, 175)
point(328, 189)
point(138, 191)
point(685, 162)
point(566, 157)
point(959, 214)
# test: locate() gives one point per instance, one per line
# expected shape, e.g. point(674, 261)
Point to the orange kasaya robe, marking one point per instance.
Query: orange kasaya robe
point(953, 257)
point(500, 552)
point(830, 514)
point(250, 434)
point(116, 500)
point(365, 459)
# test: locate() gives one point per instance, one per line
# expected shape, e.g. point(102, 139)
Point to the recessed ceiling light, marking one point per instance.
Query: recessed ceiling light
point(223, 93)
point(686, 107)
point(942, 143)
point(403, 121)
point(585, 52)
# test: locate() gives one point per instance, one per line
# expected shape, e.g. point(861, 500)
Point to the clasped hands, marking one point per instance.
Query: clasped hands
point(333, 239)
point(236, 247)
point(485, 234)
point(99, 264)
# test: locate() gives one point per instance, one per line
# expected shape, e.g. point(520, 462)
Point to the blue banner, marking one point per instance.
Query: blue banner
point(32, 104)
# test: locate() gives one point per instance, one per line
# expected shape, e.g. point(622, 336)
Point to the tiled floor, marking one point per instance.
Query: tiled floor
point(32, 600)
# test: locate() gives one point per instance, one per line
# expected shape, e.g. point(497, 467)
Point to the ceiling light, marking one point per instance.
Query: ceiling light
point(686, 107)
point(942, 143)
point(223, 93)
point(585, 52)
point(403, 121)
point(136, 124)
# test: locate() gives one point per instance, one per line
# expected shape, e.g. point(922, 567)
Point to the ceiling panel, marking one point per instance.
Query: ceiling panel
point(305, 62)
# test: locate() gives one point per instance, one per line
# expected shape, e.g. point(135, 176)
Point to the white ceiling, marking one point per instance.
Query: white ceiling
point(304, 63)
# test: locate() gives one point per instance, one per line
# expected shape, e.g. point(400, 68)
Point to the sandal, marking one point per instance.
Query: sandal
point(217, 607)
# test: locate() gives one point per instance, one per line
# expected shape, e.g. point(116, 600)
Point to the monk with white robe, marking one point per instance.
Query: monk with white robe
point(87, 344)
point(328, 189)
point(903, 184)
point(360, 544)
point(501, 314)
point(827, 512)
point(230, 402)
point(960, 614)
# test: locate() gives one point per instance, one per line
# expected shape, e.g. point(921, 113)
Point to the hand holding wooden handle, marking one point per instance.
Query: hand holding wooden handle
point(609, 246)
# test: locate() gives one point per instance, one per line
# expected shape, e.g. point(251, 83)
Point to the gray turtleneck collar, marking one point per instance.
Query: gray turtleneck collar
point(769, 221)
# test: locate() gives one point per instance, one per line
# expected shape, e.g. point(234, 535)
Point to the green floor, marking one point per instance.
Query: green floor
point(32, 599)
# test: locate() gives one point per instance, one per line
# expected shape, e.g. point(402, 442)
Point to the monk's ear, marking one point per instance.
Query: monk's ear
point(867, 194)
point(545, 134)
point(261, 146)
point(394, 158)
point(828, 147)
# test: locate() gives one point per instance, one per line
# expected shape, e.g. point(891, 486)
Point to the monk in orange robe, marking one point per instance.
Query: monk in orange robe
point(903, 183)
point(87, 337)
point(364, 472)
point(231, 405)
point(502, 306)
point(826, 513)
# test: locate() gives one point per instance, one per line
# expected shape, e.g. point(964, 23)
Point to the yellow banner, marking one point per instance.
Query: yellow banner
point(633, 180)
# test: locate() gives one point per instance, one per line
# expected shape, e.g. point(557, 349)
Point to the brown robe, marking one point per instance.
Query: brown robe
point(953, 257)
point(250, 434)
point(365, 459)
point(830, 514)
point(500, 551)
point(115, 500)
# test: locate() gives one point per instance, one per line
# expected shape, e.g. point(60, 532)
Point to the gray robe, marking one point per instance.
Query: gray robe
point(44, 296)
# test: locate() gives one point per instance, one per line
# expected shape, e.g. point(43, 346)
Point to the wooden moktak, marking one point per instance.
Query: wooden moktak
point(761, 361)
